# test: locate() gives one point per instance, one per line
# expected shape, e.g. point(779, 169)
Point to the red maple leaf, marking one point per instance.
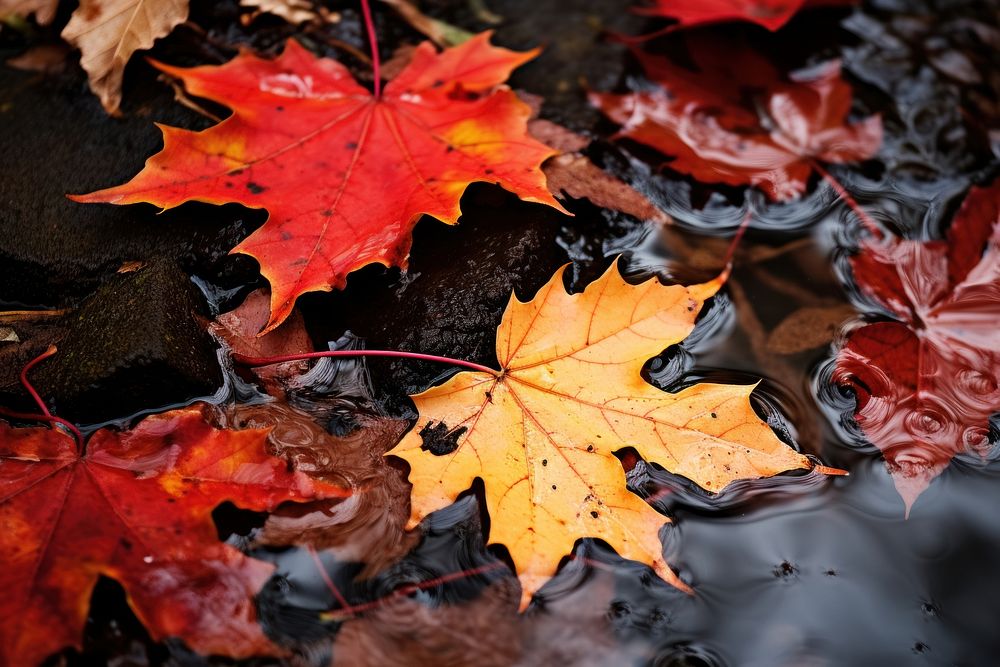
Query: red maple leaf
point(136, 507)
point(344, 175)
point(771, 14)
point(927, 383)
point(737, 121)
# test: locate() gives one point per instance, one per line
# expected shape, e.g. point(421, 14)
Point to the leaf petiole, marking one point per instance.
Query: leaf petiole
point(45, 415)
point(366, 10)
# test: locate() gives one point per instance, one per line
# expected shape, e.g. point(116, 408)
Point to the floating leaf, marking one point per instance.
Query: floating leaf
point(542, 432)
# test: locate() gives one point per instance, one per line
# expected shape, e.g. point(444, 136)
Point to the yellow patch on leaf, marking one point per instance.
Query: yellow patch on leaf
point(542, 432)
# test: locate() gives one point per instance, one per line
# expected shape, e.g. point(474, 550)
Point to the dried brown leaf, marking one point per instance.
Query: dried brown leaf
point(573, 174)
point(108, 32)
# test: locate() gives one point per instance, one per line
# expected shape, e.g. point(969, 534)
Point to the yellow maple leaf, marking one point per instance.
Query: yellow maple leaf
point(542, 432)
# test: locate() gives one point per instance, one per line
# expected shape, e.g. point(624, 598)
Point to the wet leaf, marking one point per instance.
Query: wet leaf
point(928, 380)
point(542, 433)
point(735, 120)
point(573, 174)
point(487, 631)
point(808, 328)
point(108, 32)
point(344, 175)
point(137, 508)
point(239, 328)
point(770, 14)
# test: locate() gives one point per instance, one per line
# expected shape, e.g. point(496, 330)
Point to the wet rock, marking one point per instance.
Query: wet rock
point(131, 340)
point(57, 140)
point(450, 301)
point(28, 337)
point(134, 345)
point(577, 53)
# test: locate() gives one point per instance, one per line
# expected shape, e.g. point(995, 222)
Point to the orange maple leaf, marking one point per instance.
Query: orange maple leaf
point(136, 507)
point(344, 175)
point(541, 432)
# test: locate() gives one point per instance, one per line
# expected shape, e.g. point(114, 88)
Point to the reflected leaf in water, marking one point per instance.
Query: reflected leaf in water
point(701, 119)
point(928, 381)
point(368, 527)
point(573, 627)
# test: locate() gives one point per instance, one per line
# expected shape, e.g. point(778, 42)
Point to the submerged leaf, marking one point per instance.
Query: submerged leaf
point(928, 381)
point(137, 508)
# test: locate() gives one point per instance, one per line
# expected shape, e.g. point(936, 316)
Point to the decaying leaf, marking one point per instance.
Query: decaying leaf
point(136, 507)
point(771, 14)
point(293, 11)
point(573, 174)
point(43, 10)
point(302, 11)
point(344, 175)
point(928, 382)
point(108, 32)
point(737, 121)
point(239, 328)
point(808, 328)
point(542, 432)
point(441, 33)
